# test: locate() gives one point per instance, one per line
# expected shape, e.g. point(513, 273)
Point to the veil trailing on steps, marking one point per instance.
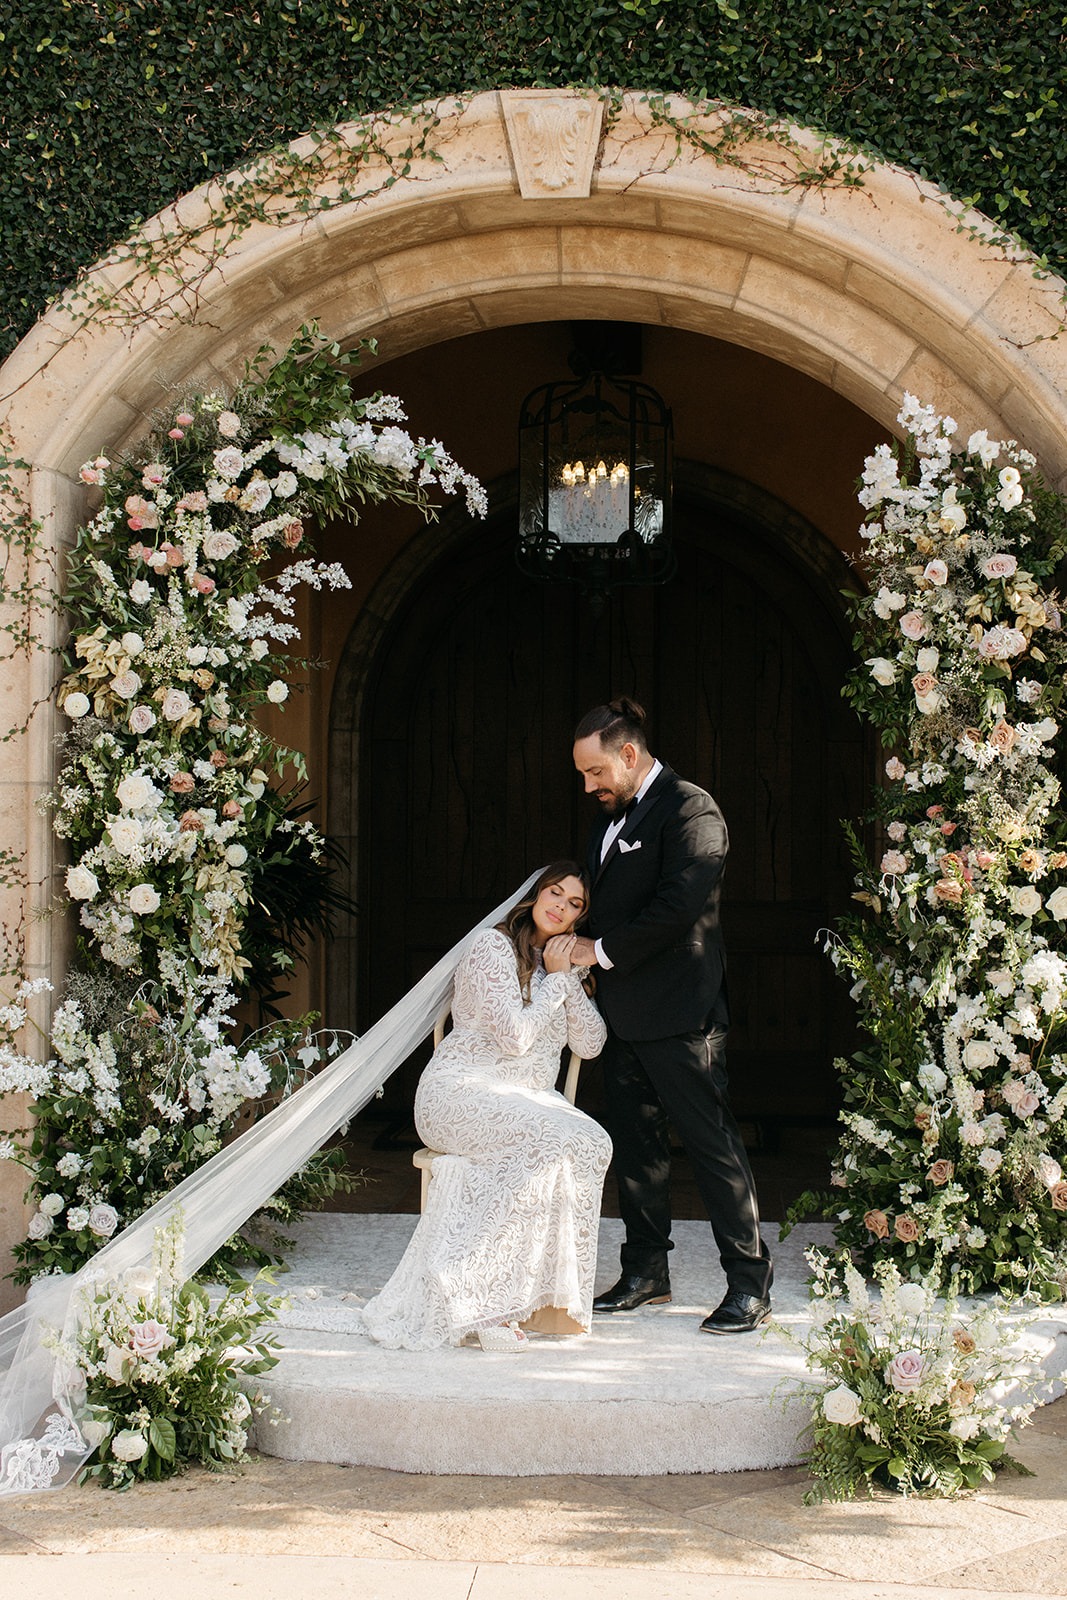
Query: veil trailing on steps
point(41, 1444)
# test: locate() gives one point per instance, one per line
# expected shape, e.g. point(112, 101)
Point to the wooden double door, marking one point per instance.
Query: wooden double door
point(467, 782)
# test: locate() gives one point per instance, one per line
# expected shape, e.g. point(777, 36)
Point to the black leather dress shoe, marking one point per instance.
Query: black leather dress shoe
point(632, 1291)
point(738, 1313)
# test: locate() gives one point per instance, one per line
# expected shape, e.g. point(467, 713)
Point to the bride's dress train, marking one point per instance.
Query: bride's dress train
point(513, 1210)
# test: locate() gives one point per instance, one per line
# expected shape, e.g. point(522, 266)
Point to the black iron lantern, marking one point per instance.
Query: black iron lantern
point(595, 462)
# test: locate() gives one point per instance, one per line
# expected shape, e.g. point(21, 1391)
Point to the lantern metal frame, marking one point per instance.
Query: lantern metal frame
point(582, 520)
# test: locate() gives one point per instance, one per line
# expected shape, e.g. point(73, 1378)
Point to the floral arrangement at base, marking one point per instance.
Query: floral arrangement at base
point(952, 1152)
point(195, 871)
point(918, 1395)
point(161, 1376)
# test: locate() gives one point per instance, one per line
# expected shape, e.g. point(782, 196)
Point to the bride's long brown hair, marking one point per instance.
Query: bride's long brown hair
point(519, 924)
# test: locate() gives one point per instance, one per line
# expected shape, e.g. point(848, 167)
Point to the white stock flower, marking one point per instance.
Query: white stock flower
point(77, 1218)
point(911, 1300)
point(236, 615)
point(140, 592)
point(886, 601)
point(76, 705)
point(981, 445)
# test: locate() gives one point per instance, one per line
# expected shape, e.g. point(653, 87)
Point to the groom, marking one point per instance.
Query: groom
point(656, 861)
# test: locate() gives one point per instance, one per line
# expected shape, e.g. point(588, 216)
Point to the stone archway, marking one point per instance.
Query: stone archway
point(535, 214)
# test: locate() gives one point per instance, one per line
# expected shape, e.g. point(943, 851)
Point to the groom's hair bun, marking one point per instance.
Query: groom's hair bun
point(619, 722)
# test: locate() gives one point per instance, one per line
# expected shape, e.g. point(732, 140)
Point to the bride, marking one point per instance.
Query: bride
point(512, 1214)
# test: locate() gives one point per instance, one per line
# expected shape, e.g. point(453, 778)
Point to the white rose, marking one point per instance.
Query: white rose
point(126, 834)
point(40, 1226)
point(285, 485)
point(258, 649)
point(135, 791)
point(1056, 904)
point(132, 643)
point(926, 660)
point(196, 655)
point(82, 884)
point(52, 1205)
point(236, 855)
point(979, 1054)
point(220, 544)
point(129, 1445)
point(103, 1220)
point(176, 704)
point(929, 703)
point(142, 899)
point(1025, 901)
point(277, 692)
point(1049, 1171)
point(256, 496)
point(76, 705)
point(882, 671)
point(229, 462)
point(126, 684)
point(1045, 730)
point(841, 1405)
point(140, 592)
point(236, 615)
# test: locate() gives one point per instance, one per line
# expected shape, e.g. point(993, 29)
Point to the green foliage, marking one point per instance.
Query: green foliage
point(116, 107)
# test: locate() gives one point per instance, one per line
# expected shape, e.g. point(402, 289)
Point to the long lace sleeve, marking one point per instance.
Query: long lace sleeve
point(586, 1033)
point(491, 982)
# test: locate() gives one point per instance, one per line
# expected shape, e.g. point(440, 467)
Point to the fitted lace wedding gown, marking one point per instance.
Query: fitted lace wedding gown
point(512, 1214)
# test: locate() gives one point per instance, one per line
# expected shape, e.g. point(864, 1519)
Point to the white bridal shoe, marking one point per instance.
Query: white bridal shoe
point(504, 1336)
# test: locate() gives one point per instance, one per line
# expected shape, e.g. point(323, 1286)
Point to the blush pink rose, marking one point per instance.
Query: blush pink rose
point(913, 625)
point(1000, 565)
point(1003, 737)
point(895, 769)
point(936, 572)
point(149, 1338)
point(203, 584)
point(923, 682)
point(905, 1372)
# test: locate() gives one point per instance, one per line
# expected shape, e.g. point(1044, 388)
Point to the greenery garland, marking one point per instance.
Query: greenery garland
point(177, 808)
point(952, 1156)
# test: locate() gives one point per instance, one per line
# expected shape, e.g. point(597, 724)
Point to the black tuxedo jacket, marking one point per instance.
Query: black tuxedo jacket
point(655, 909)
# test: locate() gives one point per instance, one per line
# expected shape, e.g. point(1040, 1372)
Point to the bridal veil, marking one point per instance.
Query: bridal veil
point(41, 1445)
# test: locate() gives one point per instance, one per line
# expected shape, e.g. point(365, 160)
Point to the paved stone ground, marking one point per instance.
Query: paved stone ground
point(290, 1529)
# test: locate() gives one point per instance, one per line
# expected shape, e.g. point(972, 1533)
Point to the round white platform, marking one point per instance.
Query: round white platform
point(644, 1394)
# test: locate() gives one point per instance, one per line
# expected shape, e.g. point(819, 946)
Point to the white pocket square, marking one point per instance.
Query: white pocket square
point(628, 847)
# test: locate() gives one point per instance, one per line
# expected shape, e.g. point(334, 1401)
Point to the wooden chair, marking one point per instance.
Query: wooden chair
point(549, 1319)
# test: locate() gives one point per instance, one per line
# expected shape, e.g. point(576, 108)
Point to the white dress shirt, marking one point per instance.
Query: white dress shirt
point(611, 833)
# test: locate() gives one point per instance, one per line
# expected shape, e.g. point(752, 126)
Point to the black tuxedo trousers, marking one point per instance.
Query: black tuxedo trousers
point(655, 907)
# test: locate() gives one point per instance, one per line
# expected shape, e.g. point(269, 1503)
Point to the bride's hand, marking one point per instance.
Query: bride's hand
point(557, 952)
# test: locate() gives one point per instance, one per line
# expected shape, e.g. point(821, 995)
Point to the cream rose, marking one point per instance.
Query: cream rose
point(1056, 904)
point(76, 705)
point(913, 625)
point(883, 671)
point(129, 1445)
point(1000, 565)
point(841, 1406)
point(1025, 901)
point(143, 899)
point(176, 705)
point(277, 692)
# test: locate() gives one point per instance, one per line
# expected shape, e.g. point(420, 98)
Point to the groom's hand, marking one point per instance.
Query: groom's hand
point(584, 953)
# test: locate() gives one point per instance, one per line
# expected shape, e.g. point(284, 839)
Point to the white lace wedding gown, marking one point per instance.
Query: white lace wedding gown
point(513, 1210)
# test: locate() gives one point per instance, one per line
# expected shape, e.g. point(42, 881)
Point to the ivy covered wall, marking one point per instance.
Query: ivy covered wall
point(112, 108)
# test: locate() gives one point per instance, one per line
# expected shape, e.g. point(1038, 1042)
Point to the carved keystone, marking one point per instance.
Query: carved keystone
point(554, 136)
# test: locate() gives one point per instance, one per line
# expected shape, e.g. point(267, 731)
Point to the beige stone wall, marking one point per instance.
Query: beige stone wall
point(782, 323)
